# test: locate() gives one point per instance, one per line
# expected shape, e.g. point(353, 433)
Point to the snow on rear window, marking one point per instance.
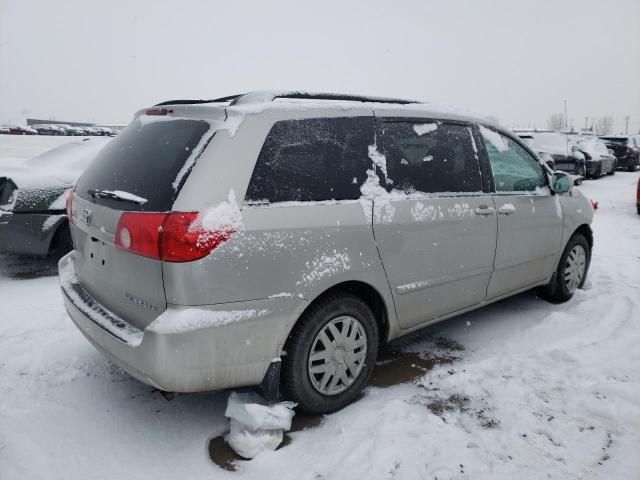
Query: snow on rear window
point(423, 128)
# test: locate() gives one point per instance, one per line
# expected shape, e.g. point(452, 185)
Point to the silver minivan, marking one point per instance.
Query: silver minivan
point(278, 239)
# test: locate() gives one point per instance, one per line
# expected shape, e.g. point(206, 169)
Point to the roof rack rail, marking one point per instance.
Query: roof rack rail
point(269, 96)
point(257, 97)
point(197, 102)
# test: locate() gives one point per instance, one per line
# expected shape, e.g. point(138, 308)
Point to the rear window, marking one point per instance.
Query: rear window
point(312, 160)
point(150, 160)
point(615, 140)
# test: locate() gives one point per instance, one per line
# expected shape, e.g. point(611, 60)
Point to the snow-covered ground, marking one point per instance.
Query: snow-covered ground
point(524, 390)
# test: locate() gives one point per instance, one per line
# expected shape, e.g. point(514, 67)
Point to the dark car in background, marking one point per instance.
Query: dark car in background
point(599, 160)
point(33, 218)
point(626, 149)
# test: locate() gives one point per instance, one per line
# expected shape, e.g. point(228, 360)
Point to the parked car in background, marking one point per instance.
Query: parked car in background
point(33, 219)
point(599, 159)
point(48, 129)
point(638, 196)
point(22, 130)
point(5, 130)
point(561, 149)
point(342, 222)
point(626, 149)
point(546, 157)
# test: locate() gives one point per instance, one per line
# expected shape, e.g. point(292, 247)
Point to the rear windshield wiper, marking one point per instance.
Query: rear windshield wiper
point(116, 195)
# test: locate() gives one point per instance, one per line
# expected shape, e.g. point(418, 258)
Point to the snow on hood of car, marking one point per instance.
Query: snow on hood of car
point(60, 166)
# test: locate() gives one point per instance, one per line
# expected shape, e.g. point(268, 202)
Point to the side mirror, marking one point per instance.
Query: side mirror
point(574, 148)
point(611, 152)
point(561, 182)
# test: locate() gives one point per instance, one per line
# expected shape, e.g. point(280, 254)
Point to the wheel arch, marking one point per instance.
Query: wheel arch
point(586, 231)
point(368, 293)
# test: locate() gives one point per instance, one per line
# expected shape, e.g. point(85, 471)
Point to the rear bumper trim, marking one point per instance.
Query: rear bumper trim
point(102, 317)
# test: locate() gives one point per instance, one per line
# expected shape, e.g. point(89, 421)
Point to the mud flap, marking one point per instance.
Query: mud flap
point(270, 386)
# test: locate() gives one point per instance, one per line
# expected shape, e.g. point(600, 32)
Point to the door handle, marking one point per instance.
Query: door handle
point(506, 209)
point(484, 210)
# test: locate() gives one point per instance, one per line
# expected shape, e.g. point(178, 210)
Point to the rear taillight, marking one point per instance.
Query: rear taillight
point(172, 237)
point(157, 111)
point(69, 205)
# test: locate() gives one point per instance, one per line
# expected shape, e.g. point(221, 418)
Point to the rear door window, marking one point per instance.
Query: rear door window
point(514, 169)
point(312, 160)
point(148, 159)
point(430, 157)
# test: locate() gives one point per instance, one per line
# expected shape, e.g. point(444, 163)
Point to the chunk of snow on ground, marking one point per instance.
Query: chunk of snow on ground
point(423, 128)
point(196, 318)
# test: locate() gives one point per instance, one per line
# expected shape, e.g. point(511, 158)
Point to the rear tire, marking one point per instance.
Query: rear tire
point(571, 272)
point(61, 244)
point(341, 332)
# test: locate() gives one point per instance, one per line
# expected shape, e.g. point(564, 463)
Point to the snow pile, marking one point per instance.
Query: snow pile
point(256, 427)
point(375, 197)
point(423, 128)
point(194, 318)
point(222, 216)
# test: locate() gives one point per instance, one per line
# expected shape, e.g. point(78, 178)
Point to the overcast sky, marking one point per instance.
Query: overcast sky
point(83, 60)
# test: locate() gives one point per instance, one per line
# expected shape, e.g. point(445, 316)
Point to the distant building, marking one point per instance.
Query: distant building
point(36, 121)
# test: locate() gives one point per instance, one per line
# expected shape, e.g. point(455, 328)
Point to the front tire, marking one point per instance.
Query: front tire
point(330, 354)
point(571, 272)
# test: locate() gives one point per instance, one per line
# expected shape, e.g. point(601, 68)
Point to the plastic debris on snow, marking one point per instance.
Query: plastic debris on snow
point(255, 426)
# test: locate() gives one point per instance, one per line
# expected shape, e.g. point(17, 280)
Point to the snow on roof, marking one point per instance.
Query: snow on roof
point(260, 101)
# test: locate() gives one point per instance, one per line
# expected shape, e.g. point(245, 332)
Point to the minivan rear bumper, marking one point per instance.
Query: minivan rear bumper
point(193, 356)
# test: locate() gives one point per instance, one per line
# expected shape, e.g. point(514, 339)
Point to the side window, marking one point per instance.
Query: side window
point(430, 157)
point(312, 160)
point(514, 169)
